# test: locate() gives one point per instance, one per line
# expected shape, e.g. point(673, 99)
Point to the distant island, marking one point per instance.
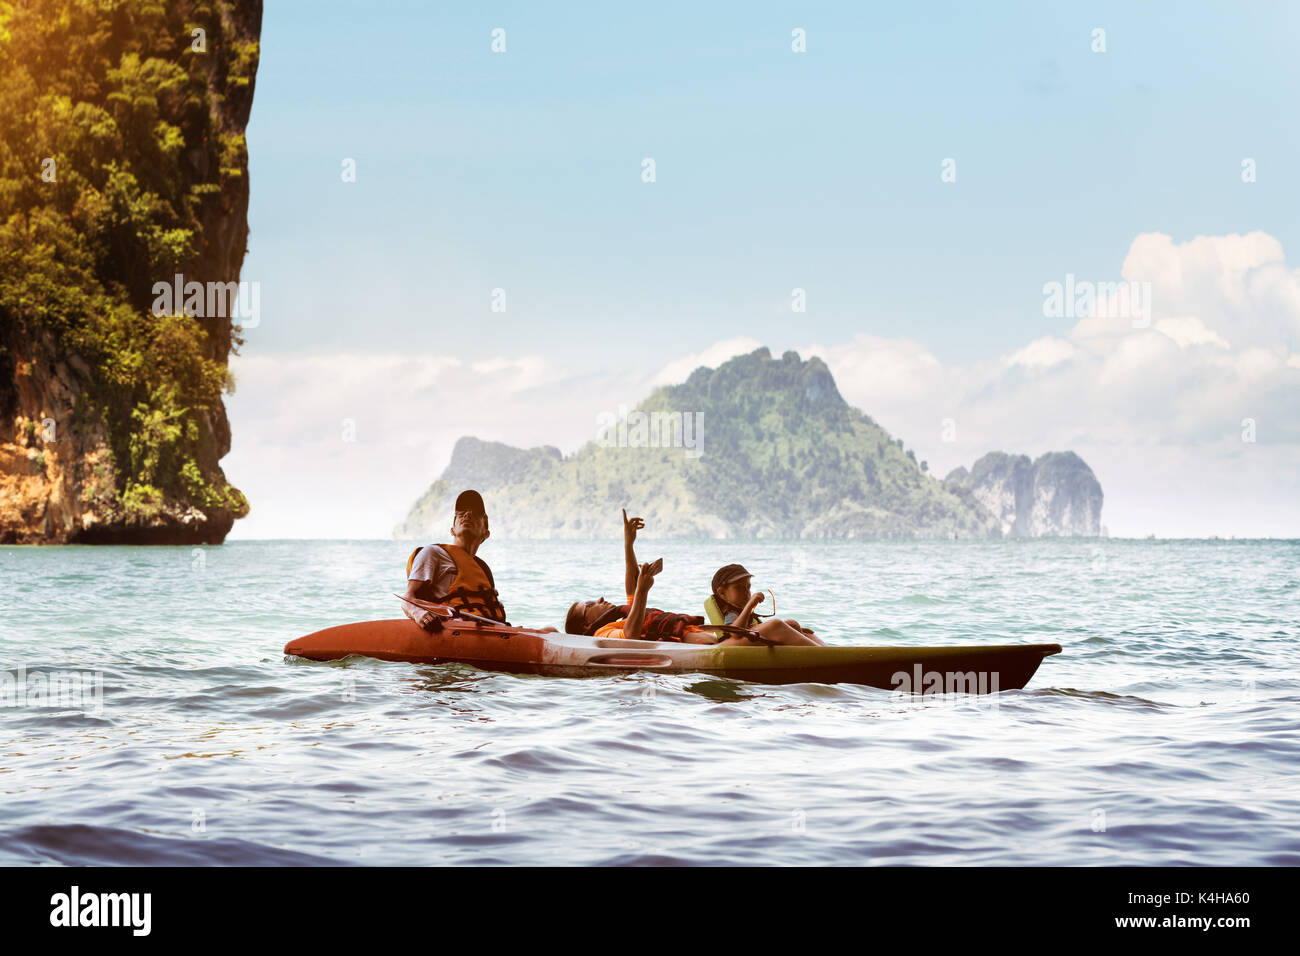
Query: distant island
point(759, 447)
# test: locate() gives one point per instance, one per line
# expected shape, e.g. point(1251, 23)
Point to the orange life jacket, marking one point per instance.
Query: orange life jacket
point(657, 626)
point(473, 588)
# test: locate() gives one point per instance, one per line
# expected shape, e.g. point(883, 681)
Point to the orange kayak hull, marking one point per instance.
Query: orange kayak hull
point(959, 669)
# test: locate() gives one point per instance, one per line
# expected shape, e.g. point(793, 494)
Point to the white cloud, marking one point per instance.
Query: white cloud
point(342, 445)
point(517, 374)
point(1189, 330)
point(1043, 353)
point(1162, 405)
point(1239, 286)
point(679, 370)
point(882, 373)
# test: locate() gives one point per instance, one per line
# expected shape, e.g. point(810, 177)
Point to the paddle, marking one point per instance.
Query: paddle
point(741, 631)
point(447, 612)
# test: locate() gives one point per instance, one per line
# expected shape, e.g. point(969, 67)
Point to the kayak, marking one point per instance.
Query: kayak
point(498, 647)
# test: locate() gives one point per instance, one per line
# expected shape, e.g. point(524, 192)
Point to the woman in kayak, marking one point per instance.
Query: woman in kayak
point(731, 595)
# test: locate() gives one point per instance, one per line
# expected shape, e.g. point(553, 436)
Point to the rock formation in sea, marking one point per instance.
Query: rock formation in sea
point(760, 447)
point(1055, 495)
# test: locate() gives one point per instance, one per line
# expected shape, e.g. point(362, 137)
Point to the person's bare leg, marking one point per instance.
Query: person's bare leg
point(805, 631)
point(782, 633)
point(777, 632)
point(736, 640)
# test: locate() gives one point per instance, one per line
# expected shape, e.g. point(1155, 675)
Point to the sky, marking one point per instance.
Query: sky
point(921, 171)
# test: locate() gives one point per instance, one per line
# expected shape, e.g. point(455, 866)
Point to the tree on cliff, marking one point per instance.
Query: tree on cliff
point(122, 162)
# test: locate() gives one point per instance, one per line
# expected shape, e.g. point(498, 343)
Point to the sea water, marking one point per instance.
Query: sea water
point(149, 715)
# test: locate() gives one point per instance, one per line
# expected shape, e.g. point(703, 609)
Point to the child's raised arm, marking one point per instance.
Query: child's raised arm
point(630, 527)
point(636, 614)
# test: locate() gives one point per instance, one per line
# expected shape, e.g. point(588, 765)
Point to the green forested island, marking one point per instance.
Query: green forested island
point(122, 164)
point(758, 447)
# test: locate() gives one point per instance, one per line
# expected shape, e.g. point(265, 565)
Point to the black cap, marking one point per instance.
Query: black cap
point(728, 573)
point(472, 502)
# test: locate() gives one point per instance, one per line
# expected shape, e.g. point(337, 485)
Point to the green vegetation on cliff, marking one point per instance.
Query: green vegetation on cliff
point(121, 164)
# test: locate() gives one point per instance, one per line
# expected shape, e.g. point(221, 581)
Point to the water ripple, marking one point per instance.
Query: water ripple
point(1163, 735)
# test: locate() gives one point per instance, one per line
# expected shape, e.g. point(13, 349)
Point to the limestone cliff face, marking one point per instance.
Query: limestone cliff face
point(49, 477)
point(122, 162)
point(1055, 496)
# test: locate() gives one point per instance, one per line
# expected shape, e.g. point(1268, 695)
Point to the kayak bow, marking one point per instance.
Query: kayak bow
point(973, 669)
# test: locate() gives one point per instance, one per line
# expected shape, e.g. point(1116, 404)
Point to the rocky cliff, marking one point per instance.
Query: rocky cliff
point(759, 447)
point(1057, 495)
point(122, 164)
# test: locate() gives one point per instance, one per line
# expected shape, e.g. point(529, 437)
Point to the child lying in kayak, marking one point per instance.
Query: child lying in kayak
point(635, 620)
point(729, 597)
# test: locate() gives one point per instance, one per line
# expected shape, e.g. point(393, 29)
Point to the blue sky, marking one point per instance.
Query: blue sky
point(819, 170)
point(775, 170)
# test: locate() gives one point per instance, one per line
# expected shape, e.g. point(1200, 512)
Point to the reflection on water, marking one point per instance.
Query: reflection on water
point(448, 677)
point(722, 691)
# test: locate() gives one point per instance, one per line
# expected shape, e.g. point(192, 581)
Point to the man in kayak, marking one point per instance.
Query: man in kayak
point(635, 620)
point(453, 573)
